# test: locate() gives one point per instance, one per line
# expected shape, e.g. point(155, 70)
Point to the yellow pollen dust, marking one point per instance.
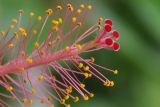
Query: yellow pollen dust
point(55, 22)
point(40, 77)
point(62, 101)
point(9, 88)
point(74, 19)
point(59, 7)
point(80, 65)
point(21, 69)
point(36, 44)
point(11, 27)
point(49, 11)
point(66, 97)
point(82, 85)
point(30, 102)
point(69, 89)
point(115, 72)
point(89, 75)
point(67, 48)
point(85, 97)
point(24, 100)
point(91, 95)
point(92, 59)
point(14, 21)
point(60, 20)
point(39, 18)
point(78, 46)
point(79, 11)
point(68, 105)
point(86, 75)
point(29, 60)
point(31, 14)
point(10, 45)
point(49, 98)
point(15, 35)
point(55, 28)
point(86, 68)
point(82, 6)
point(89, 7)
point(76, 99)
point(2, 33)
point(33, 91)
point(21, 11)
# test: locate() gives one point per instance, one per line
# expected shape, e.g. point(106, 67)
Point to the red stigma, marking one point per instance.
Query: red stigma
point(115, 34)
point(108, 21)
point(109, 41)
point(116, 46)
point(108, 28)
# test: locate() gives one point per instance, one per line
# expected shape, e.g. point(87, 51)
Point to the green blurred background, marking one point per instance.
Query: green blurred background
point(138, 21)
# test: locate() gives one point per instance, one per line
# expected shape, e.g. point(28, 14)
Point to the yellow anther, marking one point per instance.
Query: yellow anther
point(86, 75)
point(60, 20)
point(30, 102)
point(59, 7)
point(40, 77)
point(21, 69)
point(92, 59)
point(76, 99)
point(69, 5)
point(67, 48)
point(111, 83)
point(49, 11)
point(89, 7)
point(99, 27)
point(21, 11)
point(24, 100)
point(36, 44)
point(79, 11)
point(2, 33)
point(10, 45)
point(31, 14)
point(85, 97)
point(62, 101)
point(82, 6)
point(74, 19)
point(89, 75)
point(11, 27)
point(79, 24)
point(115, 72)
point(69, 89)
point(66, 97)
point(49, 98)
point(55, 22)
point(14, 21)
point(15, 35)
point(80, 65)
point(34, 32)
point(55, 28)
point(68, 105)
point(52, 105)
point(39, 18)
point(9, 88)
point(100, 19)
point(33, 91)
point(78, 46)
point(21, 30)
point(82, 85)
point(91, 95)
point(24, 34)
point(29, 60)
point(86, 68)
point(106, 83)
